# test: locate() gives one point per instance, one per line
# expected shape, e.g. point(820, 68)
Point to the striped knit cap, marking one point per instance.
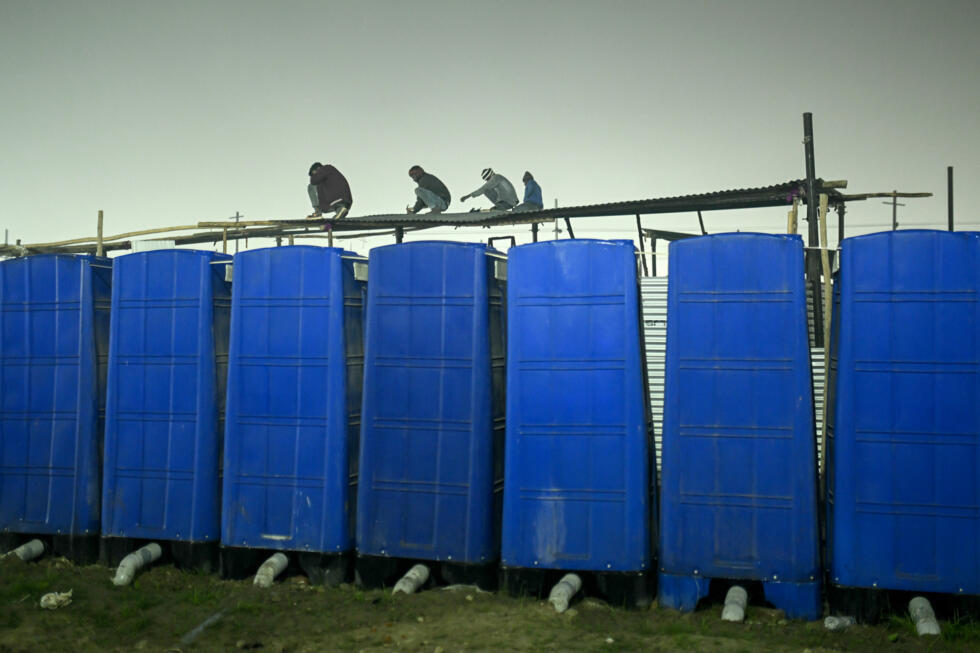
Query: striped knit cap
point(486, 173)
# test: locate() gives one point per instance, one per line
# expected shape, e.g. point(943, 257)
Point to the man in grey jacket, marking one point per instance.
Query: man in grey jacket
point(497, 189)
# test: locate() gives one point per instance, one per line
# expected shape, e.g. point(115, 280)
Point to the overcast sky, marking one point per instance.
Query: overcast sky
point(169, 113)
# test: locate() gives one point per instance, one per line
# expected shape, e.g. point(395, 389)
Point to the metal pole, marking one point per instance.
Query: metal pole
point(894, 210)
point(949, 195)
point(224, 241)
point(568, 224)
point(701, 222)
point(399, 234)
point(653, 257)
point(291, 239)
point(534, 232)
point(98, 241)
point(813, 237)
point(643, 258)
point(840, 223)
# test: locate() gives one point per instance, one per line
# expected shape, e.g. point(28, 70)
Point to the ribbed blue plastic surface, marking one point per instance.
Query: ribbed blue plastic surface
point(294, 400)
point(433, 404)
point(904, 488)
point(739, 484)
point(54, 332)
point(577, 490)
point(167, 364)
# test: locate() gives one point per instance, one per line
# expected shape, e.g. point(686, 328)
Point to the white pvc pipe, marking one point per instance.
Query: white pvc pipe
point(270, 569)
point(923, 616)
point(563, 591)
point(736, 601)
point(28, 551)
point(134, 561)
point(413, 580)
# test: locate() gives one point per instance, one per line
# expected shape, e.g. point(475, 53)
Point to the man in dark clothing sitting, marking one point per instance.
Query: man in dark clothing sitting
point(431, 192)
point(329, 191)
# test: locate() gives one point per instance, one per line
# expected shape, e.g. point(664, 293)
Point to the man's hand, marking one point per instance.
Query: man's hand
point(464, 198)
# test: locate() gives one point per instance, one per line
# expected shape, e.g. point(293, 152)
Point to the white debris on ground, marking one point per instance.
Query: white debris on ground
point(468, 588)
point(838, 623)
point(55, 600)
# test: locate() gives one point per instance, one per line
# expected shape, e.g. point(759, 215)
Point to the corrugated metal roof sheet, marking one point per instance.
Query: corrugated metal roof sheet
point(738, 198)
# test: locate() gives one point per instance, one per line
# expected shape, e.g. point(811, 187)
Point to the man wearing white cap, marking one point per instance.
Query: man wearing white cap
point(497, 189)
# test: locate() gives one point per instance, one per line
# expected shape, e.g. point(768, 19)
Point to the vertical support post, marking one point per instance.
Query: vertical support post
point(643, 257)
point(949, 196)
point(813, 240)
point(653, 255)
point(99, 251)
point(568, 225)
point(534, 232)
point(278, 241)
point(701, 224)
point(792, 219)
point(291, 241)
point(399, 234)
point(840, 222)
point(894, 210)
point(329, 235)
point(224, 241)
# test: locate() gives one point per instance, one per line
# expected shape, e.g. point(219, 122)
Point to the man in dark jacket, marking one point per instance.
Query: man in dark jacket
point(329, 191)
point(431, 192)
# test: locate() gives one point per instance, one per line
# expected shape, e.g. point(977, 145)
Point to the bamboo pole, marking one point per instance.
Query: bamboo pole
point(827, 307)
point(792, 225)
point(98, 236)
point(108, 239)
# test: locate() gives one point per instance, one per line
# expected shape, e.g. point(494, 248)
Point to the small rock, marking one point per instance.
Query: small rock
point(609, 640)
point(469, 597)
point(571, 612)
point(419, 619)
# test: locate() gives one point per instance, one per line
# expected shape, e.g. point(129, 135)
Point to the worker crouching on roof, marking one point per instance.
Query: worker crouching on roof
point(431, 192)
point(497, 189)
point(532, 195)
point(329, 191)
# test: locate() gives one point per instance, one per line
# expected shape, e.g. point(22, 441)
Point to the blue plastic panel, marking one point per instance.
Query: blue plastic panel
point(167, 365)
point(54, 332)
point(433, 404)
point(739, 481)
point(294, 400)
point(904, 488)
point(577, 489)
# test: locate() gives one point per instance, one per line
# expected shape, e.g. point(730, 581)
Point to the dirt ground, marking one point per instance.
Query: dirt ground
point(164, 606)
